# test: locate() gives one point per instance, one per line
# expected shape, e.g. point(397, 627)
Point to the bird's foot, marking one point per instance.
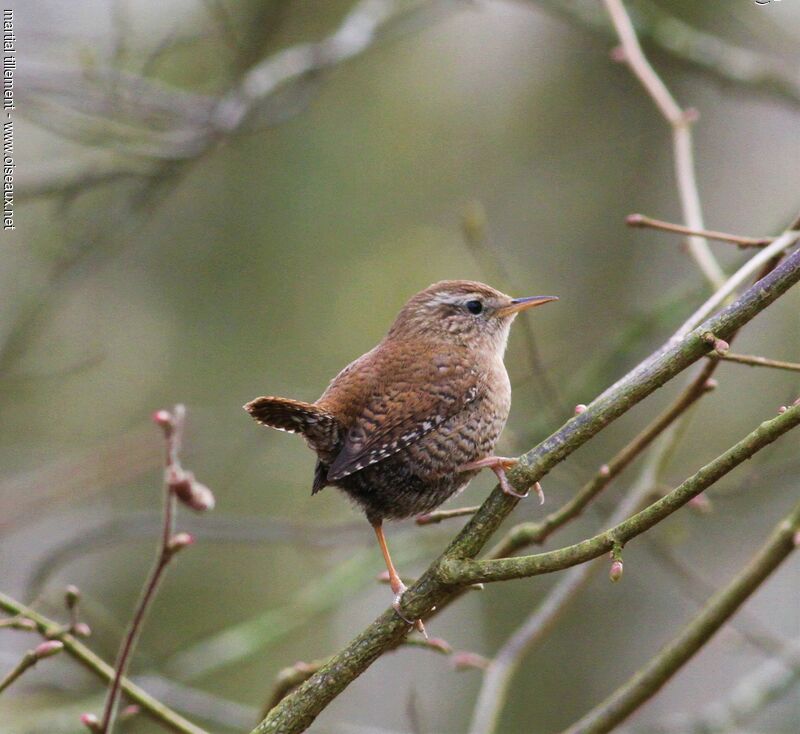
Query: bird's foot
point(399, 588)
point(499, 464)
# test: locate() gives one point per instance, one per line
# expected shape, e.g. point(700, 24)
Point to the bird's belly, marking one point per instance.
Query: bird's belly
point(423, 475)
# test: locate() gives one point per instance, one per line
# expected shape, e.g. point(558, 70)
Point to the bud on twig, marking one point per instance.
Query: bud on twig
point(721, 347)
point(72, 595)
point(179, 541)
point(615, 572)
point(81, 629)
point(469, 661)
point(164, 419)
point(47, 649)
point(617, 54)
point(701, 503)
point(130, 711)
point(91, 722)
point(579, 408)
point(191, 492)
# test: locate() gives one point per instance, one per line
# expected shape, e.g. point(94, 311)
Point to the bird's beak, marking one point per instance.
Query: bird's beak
point(520, 304)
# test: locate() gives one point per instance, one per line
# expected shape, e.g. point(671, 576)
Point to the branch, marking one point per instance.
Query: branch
point(751, 694)
point(680, 121)
point(299, 709)
point(647, 682)
point(640, 220)
point(29, 659)
point(178, 484)
point(51, 630)
point(437, 516)
point(537, 532)
point(755, 361)
point(459, 572)
point(750, 268)
point(706, 51)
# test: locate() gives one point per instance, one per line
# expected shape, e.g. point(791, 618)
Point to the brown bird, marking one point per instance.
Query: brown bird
point(412, 421)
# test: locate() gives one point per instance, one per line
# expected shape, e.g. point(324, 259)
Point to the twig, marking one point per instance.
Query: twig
point(647, 682)
point(29, 659)
point(680, 121)
point(178, 484)
point(499, 673)
point(752, 693)
point(708, 52)
point(755, 361)
point(750, 268)
point(694, 587)
point(503, 665)
point(437, 516)
point(82, 654)
point(537, 532)
point(456, 571)
point(299, 709)
point(640, 220)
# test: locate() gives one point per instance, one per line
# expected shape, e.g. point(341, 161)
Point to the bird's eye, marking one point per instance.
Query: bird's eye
point(474, 307)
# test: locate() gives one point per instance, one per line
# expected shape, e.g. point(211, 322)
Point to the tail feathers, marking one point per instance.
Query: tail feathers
point(317, 426)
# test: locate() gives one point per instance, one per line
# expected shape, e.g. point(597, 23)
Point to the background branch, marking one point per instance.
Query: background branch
point(680, 121)
point(645, 683)
point(51, 630)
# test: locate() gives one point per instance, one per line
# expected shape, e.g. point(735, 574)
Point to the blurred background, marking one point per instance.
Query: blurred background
point(209, 210)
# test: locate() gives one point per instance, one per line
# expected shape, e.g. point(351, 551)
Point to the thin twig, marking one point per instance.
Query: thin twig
point(177, 483)
point(29, 659)
point(640, 220)
point(680, 121)
point(437, 516)
point(537, 532)
point(709, 52)
point(756, 361)
point(457, 571)
point(649, 680)
point(50, 629)
point(750, 268)
point(503, 665)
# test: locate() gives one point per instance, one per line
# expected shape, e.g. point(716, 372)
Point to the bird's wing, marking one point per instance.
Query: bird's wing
point(406, 401)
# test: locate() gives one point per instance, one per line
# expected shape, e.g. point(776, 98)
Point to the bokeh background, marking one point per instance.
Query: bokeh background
point(488, 140)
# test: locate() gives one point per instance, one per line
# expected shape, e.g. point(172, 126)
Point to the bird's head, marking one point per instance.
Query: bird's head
point(462, 312)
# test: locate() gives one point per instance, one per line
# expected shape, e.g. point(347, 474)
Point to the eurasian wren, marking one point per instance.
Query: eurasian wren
point(412, 421)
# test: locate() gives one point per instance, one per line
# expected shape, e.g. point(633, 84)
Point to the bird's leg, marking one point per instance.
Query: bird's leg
point(499, 464)
point(398, 587)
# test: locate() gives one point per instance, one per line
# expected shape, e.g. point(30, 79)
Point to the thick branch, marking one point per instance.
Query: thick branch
point(455, 571)
point(537, 532)
point(649, 680)
point(299, 709)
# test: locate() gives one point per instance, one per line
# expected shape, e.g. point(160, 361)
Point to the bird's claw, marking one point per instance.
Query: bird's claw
point(398, 598)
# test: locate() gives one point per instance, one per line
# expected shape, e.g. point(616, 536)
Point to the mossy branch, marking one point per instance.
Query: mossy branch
point(299, 709)
point(455, 571)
